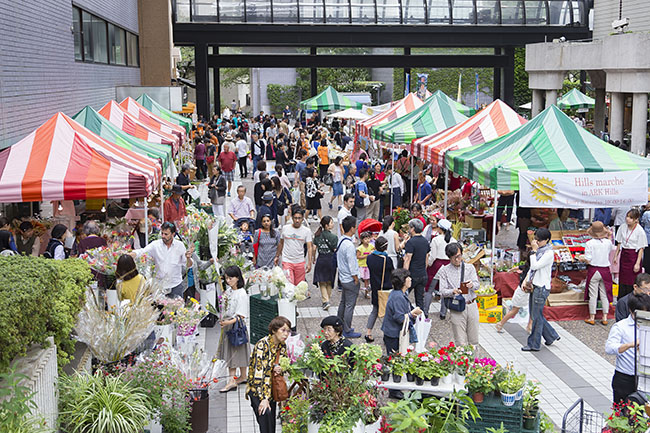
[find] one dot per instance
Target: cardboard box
(487, 302)
(491, 315)
(474, 221)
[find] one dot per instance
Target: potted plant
(294, 414)
(531, 404)
(435, 369)
(398, 366)
(406, 415)
(478, 379)
(411, 366)
(385, 370)
(510, 386)
(627, 418)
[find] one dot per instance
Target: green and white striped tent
(165, 114)
(463, 109)
(550, 142)
(435, 115)
(328, 100)
(574, 98)
(92, 120)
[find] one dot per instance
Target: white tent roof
(350, 113)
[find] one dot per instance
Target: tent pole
(390, 181)
(494, 238)
(446, 188)
(162, 204)
(411, 175)
(146, 222)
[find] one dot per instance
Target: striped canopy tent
(401, 108)
(132, 126)
(550, 142)
(92, 120)
(464, 109)
(329, 99)
(574, 98)
(435, 115)
(165, 114)
(495, 120)
(150, 119)
(62, 160)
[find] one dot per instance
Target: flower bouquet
(402, 217)
(103, 260)
(188, 317)
(168, 308)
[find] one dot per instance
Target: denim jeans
(256, 158)
(541, 328)
(349, 294)
(417, 285)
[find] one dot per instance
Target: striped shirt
(449, 280)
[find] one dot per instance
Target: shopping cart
(577, 419)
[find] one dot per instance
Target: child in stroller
(245, 226)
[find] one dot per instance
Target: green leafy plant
(397, 363)
(101, 404)
(546, 424)
(513, 382)
(17, 406)
(479, 378)
(280, 96)
(294, 414)
(627, 418)
(500, 429)
(39, 298)
(451, 413)
(406, 415)
(531, 399)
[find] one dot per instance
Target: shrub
(39, 298)
(281, 96)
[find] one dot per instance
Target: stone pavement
(574, 367)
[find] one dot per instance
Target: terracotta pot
(478, 397)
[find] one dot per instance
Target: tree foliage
(522, 93)
(280, 96)
(342, 79)
(234, 76)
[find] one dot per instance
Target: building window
(132, 50)
(98, 41)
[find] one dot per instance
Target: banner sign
(583, 190)
(422, 86)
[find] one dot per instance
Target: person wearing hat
(227, 160)
(55, 249)
(267, 208)
(175, 206)
(425, 191)
(599, 276)
(441, 237)
(335, 343)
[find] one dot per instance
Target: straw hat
(598, 230)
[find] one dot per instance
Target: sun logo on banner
(543, 189)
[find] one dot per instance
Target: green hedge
(39, 298)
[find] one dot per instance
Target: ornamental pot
(446, 380)
(478, 397)
(287, 309)
(374, 427)
(419, 380)
(199, 410)
(519, 394)
(508, 399)
(385, 377)
(529, 422)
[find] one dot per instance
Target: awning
(164, 113)
(153, 121)
(574, 98)
(329, 99)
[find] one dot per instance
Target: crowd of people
(294, 166)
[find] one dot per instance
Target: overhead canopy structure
(495, 120)
(574, 98)
(400, 108)
(376, 109)
(150, 119)
(61, 160)
(92, 120)
(350, 113)
(165, 114)
(329, 99)
(463, 109)
(132, 126)
(435, 115)
(550, 142)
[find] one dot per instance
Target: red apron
(605, 274)
(626, 274)
(433, 270)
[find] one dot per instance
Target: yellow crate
(491, 315)
(487, 302)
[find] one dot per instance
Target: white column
(616, 117)
(639, 122)
(599, 112)
(551, 97)
(537, 103)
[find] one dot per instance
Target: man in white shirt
(539, 276)
(242, 153)
(619, 342)
(171, 259)
(396, 184)
(345, 211)
(292, 247)
(241, 206)
(258, 149)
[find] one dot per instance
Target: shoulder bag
(256, 245)
(238, 334)
(457, 303)
(279, 390)
(404, 335)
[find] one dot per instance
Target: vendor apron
(605, 274)
(626, 274)
(433, 270)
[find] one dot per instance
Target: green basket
(262, 312)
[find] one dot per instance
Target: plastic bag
(219, 370)
(422, 328)
(295, 347)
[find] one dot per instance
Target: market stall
(165, 114)
(146, 116)
(463, 109)
(400, 108)
(132, 126)
(329, 99)
(555, 163)
(575, 99)
(350, 114)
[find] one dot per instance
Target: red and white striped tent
(495, 120)
(150, 119)
(62, 160)
(132, 126)
(404, 106)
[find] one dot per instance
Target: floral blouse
(260, 367)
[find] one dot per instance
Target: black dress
(377, 264)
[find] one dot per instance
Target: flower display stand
(262, 312)
(441, 389)
(287, 309)
(493, 413)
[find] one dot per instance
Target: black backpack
(358, 200)
(51, 246)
